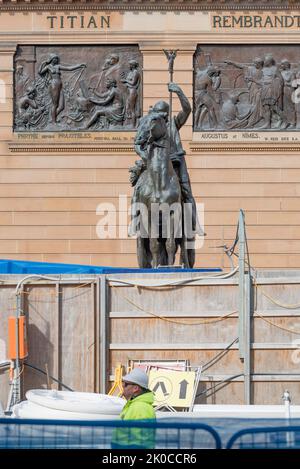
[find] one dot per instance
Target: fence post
(247, 339)
(241, 235)
(103, 333)
(244, 310)
(16, 389)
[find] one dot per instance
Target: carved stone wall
(53, 181)
(65, 88)
(245, 87)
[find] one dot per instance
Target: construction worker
(139, 406)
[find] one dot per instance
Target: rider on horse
(177, 153)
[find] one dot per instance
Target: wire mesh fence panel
(285, 437)
(106, 434)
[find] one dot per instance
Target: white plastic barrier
(67, 405)
(84, 402)
(29, 410)
(245, 411)
(235, 411)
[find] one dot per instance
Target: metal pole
(95, 305)
(241, 283)
(59, 329)
(103, 334)
(171, 55)
(170, 104)
(98, 334)
(290, 436)
(247, 339)
(16, 396)
(245, 292)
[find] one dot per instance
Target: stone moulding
(71, 148)
(146, 5)
(244, 147)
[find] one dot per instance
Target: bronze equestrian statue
(159, 184)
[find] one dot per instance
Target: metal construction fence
(171, 434)
(283, 437)
(58, 434)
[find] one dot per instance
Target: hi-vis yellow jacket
(138, 408)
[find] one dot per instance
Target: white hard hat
(137, 376)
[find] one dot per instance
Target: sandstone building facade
(64, 170)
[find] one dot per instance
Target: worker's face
(130, 390)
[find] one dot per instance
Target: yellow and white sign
(174, 388)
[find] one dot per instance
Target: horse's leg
(141, 252)
(183, 248)
(163, 256)
(154, 248)
(170, 242)
(183, 253)
(191, 252)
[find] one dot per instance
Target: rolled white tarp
(30, 410)
(82, 402)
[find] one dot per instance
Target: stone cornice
(247, 147)
(71, 148)
(147, 5)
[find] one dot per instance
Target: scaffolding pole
(103, 334)
(245, 292)
(247, 339)
(241, 283)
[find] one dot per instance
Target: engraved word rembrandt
(256, 21)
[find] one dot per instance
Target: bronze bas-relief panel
(75, 88)
(245, 87)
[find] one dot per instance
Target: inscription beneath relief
(86, 137)
(225, 136)
(262, 137)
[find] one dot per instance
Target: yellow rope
(52, 293)
(276, 302)
(163, 318)
(293, 331)
(22, 370)
(33, 300)
(210, 321)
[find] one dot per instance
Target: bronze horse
(158, 192)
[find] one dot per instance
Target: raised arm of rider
(183, 115)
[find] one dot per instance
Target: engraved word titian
(79, 22)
